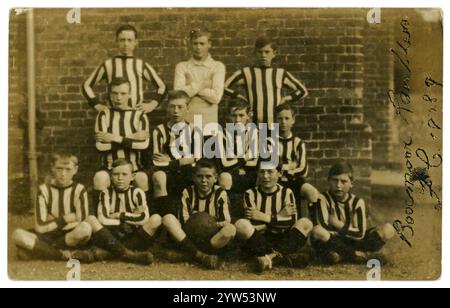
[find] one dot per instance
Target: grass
(422, 262)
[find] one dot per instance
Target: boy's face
(200, 47)
(340, 186)
(122, 176)
(120, 96)
(63, 172)
(177, 110)
(240, 116)
(265, 55)
(286, 120)
(268, 178)
(127, 43)
(204, 180)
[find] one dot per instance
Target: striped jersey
(263, 87)
(177, 144)
(128, 206)
(215, 204)
(240, 148)
(122, 123)
(135, 70)
(272, 204)
(53, 203)
(352, 213)
(292, 152)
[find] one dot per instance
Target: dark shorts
(177, 179)
(243, 180)
(293, 183)
(129, 236)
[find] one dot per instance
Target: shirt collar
(209, 62)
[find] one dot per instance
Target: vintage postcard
(225, 144)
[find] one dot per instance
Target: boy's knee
(244, 229)
(386, 232)
(83, 232)
(23, 239)
(319, 233)
(155, 220)
(226, 180)
(310, 193)
(304, 225)
(229, 231)
(159, 180)
(102, 181)
(169, 220)
(141, 180)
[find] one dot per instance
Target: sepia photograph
(225, 144)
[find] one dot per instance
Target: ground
(422, 262)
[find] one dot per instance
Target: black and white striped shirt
(272, 204)
(135, 70)
(292, 150)
(122, 123)
(53, 203)
(352, 212)
(263, 87)
(176, 145)
(129, 206)
(215, 204)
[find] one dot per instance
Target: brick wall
(323, 48)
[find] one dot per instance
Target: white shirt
(204, 82)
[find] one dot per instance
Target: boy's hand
(101, 107)
(69, 218)
(334, 221)
(107, 138)
(147, 107)
(161, 158)
(285, 100)
(288, 211)
(254, 214)
(140, 136)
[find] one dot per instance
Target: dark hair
(266, 161)
(342, 167)
(65, 156)
(285, 107)
(118, 82)
(205, 163)
(199, 32)
(263, 41)
(122, 162)
(240, 104)
(126, 28)
(178, 94)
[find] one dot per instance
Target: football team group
(150, 190)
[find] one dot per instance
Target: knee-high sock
(45, 251)
(292, 242)
(104, 239)
(257, 245)
(140, 240)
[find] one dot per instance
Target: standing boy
(263, 83)
(340, 233)
(202, 78)
(126, 66)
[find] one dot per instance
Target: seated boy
(61, 212)
(238, 164)
(340, 232)
(172, 168)
(203, 196)
(292, 152)
(121, 132)
(271, 230)
(124, 212)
